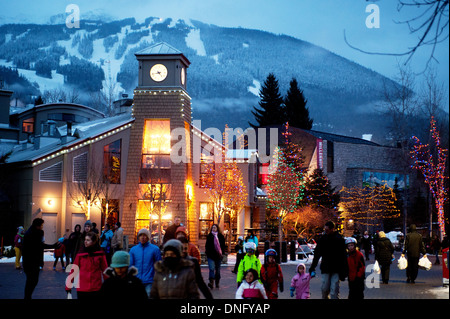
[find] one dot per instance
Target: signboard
(319, 148)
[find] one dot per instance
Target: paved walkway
(428, 284)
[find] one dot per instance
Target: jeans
(330, 286)
(214, 269)
(148, 288)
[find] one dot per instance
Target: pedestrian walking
(413, 248)
(143, 256)
(72, 241)
(251, 288)
(271, 275)
(192, 249)
(174, 275)
(366, 244)
(214, 249)
(95, 229)
(384, 253)
(121, 282)
(18, 240)
(32, 254)
(334, 267)
(196, 264)
(79, 244)
(59, 253)
(117, 239)
(300, 283)
(171, 230)
(249, 261)
(356, 270)
(240, 253)
(90, 263)
(106, 238)
(436, 247)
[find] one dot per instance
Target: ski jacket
(272, 278)
(143, 257)
(300, 282)
(246, 263)
(383, 251)
(356, 265)
(91, 266)
(240, 293)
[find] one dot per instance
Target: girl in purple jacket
(300, 283)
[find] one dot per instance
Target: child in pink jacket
(300, 283)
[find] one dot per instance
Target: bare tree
(430, 25)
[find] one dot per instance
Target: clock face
(183, 76)
(158, 72)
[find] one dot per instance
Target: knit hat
(120, 259)
(174, 245)
(181, 229)
(88, 222)
(144, 231)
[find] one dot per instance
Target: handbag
(376, 267)
(402, 263)
(425, 263)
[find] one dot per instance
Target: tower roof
(161, 50)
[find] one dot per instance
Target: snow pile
(440, 292)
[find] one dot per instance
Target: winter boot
(211, 283)
(217, 283)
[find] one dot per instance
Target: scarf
(216, 243)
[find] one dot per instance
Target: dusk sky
(321, 22)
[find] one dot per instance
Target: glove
(292, 291)
(313, 274)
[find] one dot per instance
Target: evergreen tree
(296, 112)
(319, 192)
(38, 101)
(271, 111)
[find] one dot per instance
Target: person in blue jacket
(143, 256)
(106, 237)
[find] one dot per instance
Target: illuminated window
(156, 137)
(28, 125)
(155, 162)
(207, 171)
(111, 162)
(206, 219)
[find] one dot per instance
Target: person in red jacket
(271, 275)
(90, 263)
(356, 270)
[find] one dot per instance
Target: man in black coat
(334, 266)
(32, 252)
(413, 248)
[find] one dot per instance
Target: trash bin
(445, 267)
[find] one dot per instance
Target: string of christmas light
(369, 205)
(433, 170)
(226, 189)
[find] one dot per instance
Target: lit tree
(369, 205)
(430, 159)
(283, 188)
(227, 190)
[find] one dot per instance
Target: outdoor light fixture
(50, 202)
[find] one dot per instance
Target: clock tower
(159, 172)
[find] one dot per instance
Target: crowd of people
(101, 268)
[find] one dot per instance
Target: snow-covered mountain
(228, 67)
